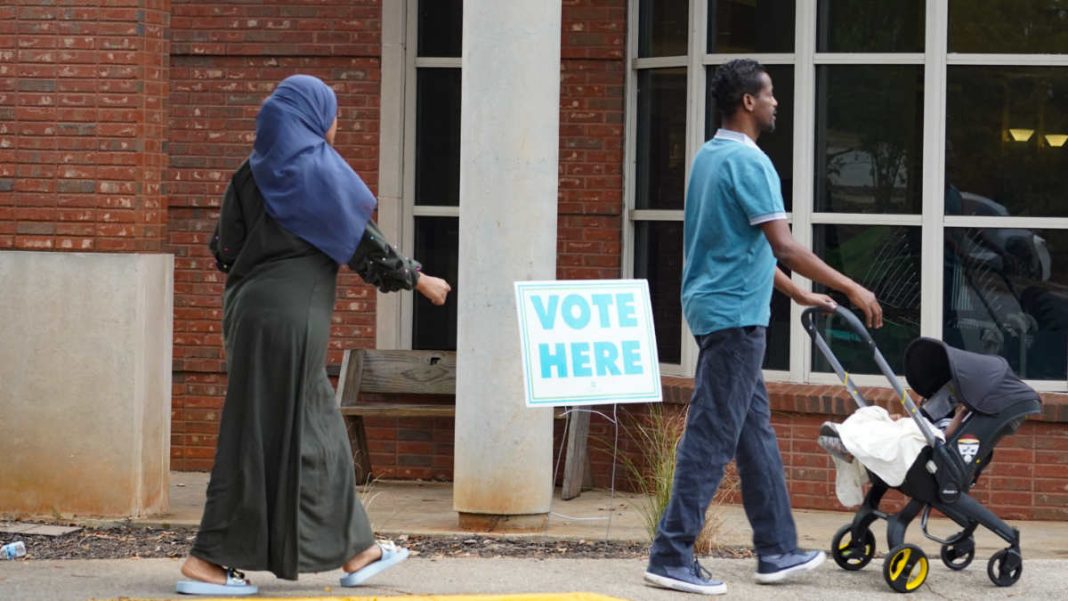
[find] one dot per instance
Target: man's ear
(748, 102)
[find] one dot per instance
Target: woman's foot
(363, 558)
(196, 568)
(371, 561)
(206, 578)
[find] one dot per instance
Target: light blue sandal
(236, 586)
(391, 556)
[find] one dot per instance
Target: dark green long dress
(282, 493)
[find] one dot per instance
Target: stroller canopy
(985, 383)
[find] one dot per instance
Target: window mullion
(804, 169)
(695, 133)
(630, 135)
(390, 314)
(934, 136)
(407, 240)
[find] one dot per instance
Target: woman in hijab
(282, 492)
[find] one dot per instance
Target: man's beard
(769, 127)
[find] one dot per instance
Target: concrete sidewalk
(397, 507)
(426, 508)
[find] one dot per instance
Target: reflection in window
(869, 138)
(441, 27)
(885, 260)
(661, 139)
(779, 145)
(1006, 293)
(740, 26)
(1008, 26)
(437, 137)
(663, 27)
(777, 355)
(658, 259)
(1007, 140)
(870, 26)
(437, 248)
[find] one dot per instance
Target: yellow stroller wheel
(905, 568)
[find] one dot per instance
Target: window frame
(397, 210)
(932, 220)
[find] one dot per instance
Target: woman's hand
(436, 290)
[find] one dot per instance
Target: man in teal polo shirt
(734, 231)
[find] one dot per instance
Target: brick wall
(1027, 479)
(225, 58)
(82, 101)
(591, 139)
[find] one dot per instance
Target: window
(420, 192)
(922, 148)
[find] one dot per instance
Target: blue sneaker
(775, 568)
(692, 579)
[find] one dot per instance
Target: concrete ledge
(85, 383)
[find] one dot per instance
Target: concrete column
(509, 151)
(85, 383)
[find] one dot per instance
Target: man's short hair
(735, 79)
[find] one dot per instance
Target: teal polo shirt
(729, 269)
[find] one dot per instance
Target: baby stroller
(944, 472)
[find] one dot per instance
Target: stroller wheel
(852, 554)
(959, 555)
(1005, 567)
(905, 568)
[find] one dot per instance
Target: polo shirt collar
(735, 136)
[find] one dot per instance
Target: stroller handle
(808, 321)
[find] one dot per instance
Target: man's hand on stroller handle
(814, 299)
(865, 300)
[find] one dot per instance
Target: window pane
(1008, 26)
(777, 355)
(437, 248)
(658, 258)
(869, 138)
(437, 137)
(1006, 129)
(1006, 293)
(779, 145)
(661, 139)
(441, 27)
(662, 27)
(870, 26)
(750, 26)
(886, 260)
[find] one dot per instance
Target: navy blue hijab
(307, 187)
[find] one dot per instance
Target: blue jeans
(729, 418)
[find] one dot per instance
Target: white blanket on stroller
(886, 446)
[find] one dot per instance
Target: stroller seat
(943, 473)
(997, 402)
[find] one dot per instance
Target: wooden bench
(391, 372)
(422, 373)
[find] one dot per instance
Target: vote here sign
(587, 342)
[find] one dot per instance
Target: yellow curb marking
(506, 597)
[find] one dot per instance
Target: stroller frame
(938, 479)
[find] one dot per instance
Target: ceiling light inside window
(1056, 140)
(1021, 135)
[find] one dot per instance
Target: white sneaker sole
(686, 587)
(781, 575)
